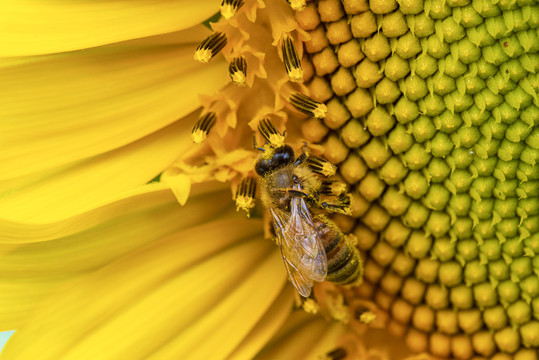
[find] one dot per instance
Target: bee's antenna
(254, 144)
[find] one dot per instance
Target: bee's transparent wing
(302, 251)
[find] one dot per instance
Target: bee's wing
(302, 251)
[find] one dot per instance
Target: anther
(202, 127)
(336, 354)
(332, 188)
(321, 166)
(308, 106)
(270, 133)
(296, 5)
(229, 8)
(245, 195)
(291, 60)
(365, 316)
(238, 70)
(210, 47)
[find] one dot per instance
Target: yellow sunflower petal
(31, 271)
(62, 108)
(140, 303)
(41, 27)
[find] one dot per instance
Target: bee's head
(281, 156)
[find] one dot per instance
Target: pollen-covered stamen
(202, 127)
(210, 47)
(321, 166)
(238, 70)
(336, 354)
(229, 8)
(365, 316)
(308, 106)
(270, 133)
(291, 60)
(296, 5)
(245, 195)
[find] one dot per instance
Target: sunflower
(126, 124)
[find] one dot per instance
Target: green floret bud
(439, 224)
(474, 116)
(519, 313)
(482, 187)
(482, 208)
(513, 69)
(450, 273)
(426, 270)
(495, 317)
(459, 181)
(415, 185)
(460, 158)
(437, 297)
(475, 273)
(462, 228)
(396, 68)
(491, 249)
(493, 129)
(506, 170)
(383, 253)
(396, 233)
(485, 167)
(416, 158)
(520, 268)
(487, 100)
(446, 321)
(485, 295)
(527, 172)
(443, 249)
(470, 85)
(528, 190)
(387, 91)
(354, 134)
(431, 105)
(510, 150)
(506, 114)
(395, 201)
(486, 8)
(452, 30)
(499, 84)
(437, 170)
(507, 340)
(461, 297)
(416, 215)
(435, 46)
(508, 291)
(513, 248)
(353, 169)
(376, 218)
(496, 27)
(506, 228)
(469, 17)
(441, 83)
(479, 36)
(441, 145)
(414, 87)
(494, 54)
(376, 47)
(403, 265)
(460, 204)
(518, 98)
(406, 111)
(424, 65)
(529, 333)
(470, 320)
(410, 7)
(437, 197)
(498, 270)
(529, 287)
(467, 136)
(506, 189)
(486, 147)
(394, 24)
(506, 208)
(523, 41)
(468, 52)
(467, 250)
(423, 129)
(393, 171)
(375, 153)
(438, 9)
(371, 187)
(367, 74)
(379, 122)
(484, 69)
(399, 140)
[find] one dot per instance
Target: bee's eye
(282, 156)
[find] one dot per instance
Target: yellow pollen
(296, 75)
(310, 306)
(245, 203)
(228, 11)
(203, 55)
(238, 78)
(320, 111)
(297, 5)
(367, 317)
(277, 140)
(198, 136)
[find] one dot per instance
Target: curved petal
(47, 197)
(88, 242)
(181, 293)
(32, 27)
(57, 109)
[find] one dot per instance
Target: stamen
(202, 127)
(291, 60)
(270, 133)
(238, 70)
(245, 195)
(321, 166)
(229, 8)
(365, 316)
(296, 5)
(310, 306)
(308, 106)
(210, 47)
(337, 354)
(332, 188)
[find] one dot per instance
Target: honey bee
(312, 247)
